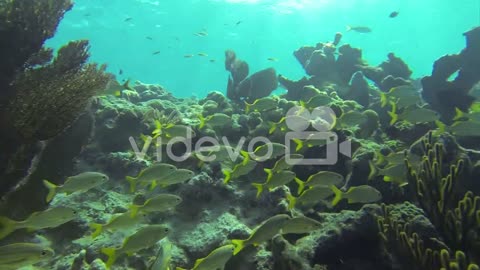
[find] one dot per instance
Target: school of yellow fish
(325, 187)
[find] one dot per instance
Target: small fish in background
(154, 173)
(214, 120)
(188, 56)
(163, 258)
(309, 197)
(238, 23)
(357, 194)
(212, 60)
(238, 170)
(115, 89)
(264, 232)
(261, 105)
(18, 255)
(202, 33)
(322, 178)
(120, 72)
(215, 260)
(143, 238)
(300, 225)
(159, 203)
(78, 183)
(202, 54)
(394, 14)
(156, 52)
(128, 19)
(280, 179)
(117, 222)
(50, 218)
(149, 37)
(394, 173)
(272, 59)
(359, 29)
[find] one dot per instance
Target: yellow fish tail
(301, 185)
(246, 156)
(299, 144)
(52, 190)
(269, 174)
(458, 114)
(272, 129)
(239, 245)
(133, 183)
(7, 226)
(228, 176)
(291, 201)
(383, 99)
(112, 256)
(98, 229)
(373, 170)
(202, 121)
(338, 195)
(247, 107)
(134, 210)
(259, 189)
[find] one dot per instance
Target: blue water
(423, 31)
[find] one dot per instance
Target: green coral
(455, 217)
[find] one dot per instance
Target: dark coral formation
(328, 66)
(258, 85)
(41, 95)
(443, 94)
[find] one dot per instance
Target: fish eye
(44, 252)
(166, 230)
(75, 212)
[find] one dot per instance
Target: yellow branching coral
(455, 217)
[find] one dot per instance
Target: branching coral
(24, 26)
(48, 99)
(455, 217)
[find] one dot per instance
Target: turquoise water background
(257, 30)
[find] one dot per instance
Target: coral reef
(444, 94)
(258, 85)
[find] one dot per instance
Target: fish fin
(380, 159)
(441, 126)
(112, 256)
(273, 127)
(134, 210)
(239, 245)
(291, 201)
(387, 179)
(198, 262)
(338, 195)
(7, 226)
(98, 229)
(303, 104)
(202, 121)
(127, 86)
(458, 114)
(247, 107)
(228, 176)
(383, 99)
(153, 185)
(118, 93)
(393, 115)
(269, 174)
(299, 144)
(373, 170)
(349, 28)
(259, 189)
(301, 185)
(52, 190)
(246, 156)
(133, 183)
